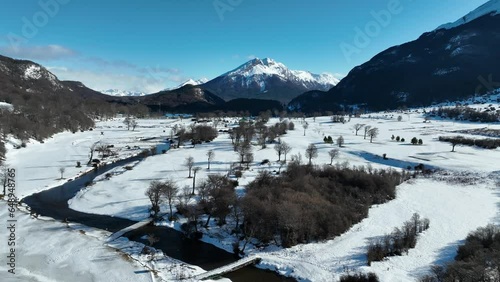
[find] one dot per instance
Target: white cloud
(42, 53)
(150, 82)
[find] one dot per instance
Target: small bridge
(120, 233)
(228, 268)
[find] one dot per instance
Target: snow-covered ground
(453, 210)
(51, 251)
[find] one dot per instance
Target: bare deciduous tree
(189, 163)
(357, 127)
(286, 149)
(243, 149)
(311, 152)
(279, 149)
(62, 170)
(340, 141)
(305, 125)
(169, 190)
(333, 153)
(367, 128)
(127, 121)
(133, 124)
(195, 170)
(154, 193)
(210, 156)
(373, 133)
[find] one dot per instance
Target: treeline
(465, 113)
(306, 203)
(487, 143)
(41, 116)
(477, 260)
(399, 241)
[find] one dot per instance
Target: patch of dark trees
(464, 113)
(400, 241)
(478, 259)
(487, 143)
(306, 203)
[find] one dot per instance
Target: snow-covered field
(453, 210)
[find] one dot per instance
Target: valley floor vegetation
(399, 241)
(478, 259)
(302, 204)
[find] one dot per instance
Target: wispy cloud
(103, 80)
(38, 53)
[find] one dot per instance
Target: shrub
(399, 241)
(402, 140)
(238, 174)
(398, 138)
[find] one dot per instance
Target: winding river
(54, 203)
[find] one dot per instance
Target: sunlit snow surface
(454, 210)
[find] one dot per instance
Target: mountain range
(267, 79)
(454, 61)
(263, 79)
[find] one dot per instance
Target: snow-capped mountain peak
(122, 93)
(490, 7)
(257, 70)
(193, 82)
(268, 79)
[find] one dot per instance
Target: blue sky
(154, 44)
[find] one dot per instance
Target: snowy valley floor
(453, 209)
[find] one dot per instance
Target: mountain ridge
(441, 65)
(267, 79)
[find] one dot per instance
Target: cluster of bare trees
(130, 122)
(217, 201)
(369, 131)
(304, 204)
(487, 143)
(282, 148)
(159, 192)
(400, 241)
(196, 133)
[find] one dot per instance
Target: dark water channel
(54, 203)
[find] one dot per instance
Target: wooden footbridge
(228, 268)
